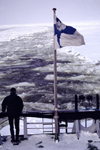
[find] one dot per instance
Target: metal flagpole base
(56, 137)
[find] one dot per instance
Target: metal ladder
(48, 126)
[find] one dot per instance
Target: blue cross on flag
(66, 35)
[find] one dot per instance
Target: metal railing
(65, 116)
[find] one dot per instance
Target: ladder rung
(47, 123)
(34, 128)
(34, 123)
(48, 128)
(47, 131)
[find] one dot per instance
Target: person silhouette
(14, 105)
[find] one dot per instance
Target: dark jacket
(13, 104)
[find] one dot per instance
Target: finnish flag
(66, 35)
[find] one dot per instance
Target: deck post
(25, 127)
(77, 125)
(0, 140)
(66, 126)
(76, 103)
(98, 127)
(97, 101)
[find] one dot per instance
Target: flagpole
(55, 91)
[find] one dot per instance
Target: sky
(40, 11)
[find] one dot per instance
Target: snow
(47, 142)
(88, 52)
(22, 84)
(36, 139)
(27, 58)
(19, 30)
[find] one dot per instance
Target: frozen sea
(26, 63)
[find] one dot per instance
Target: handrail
(62, 114)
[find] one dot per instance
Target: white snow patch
(69, 142)
(21, 84)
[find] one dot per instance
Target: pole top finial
(54, 9)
